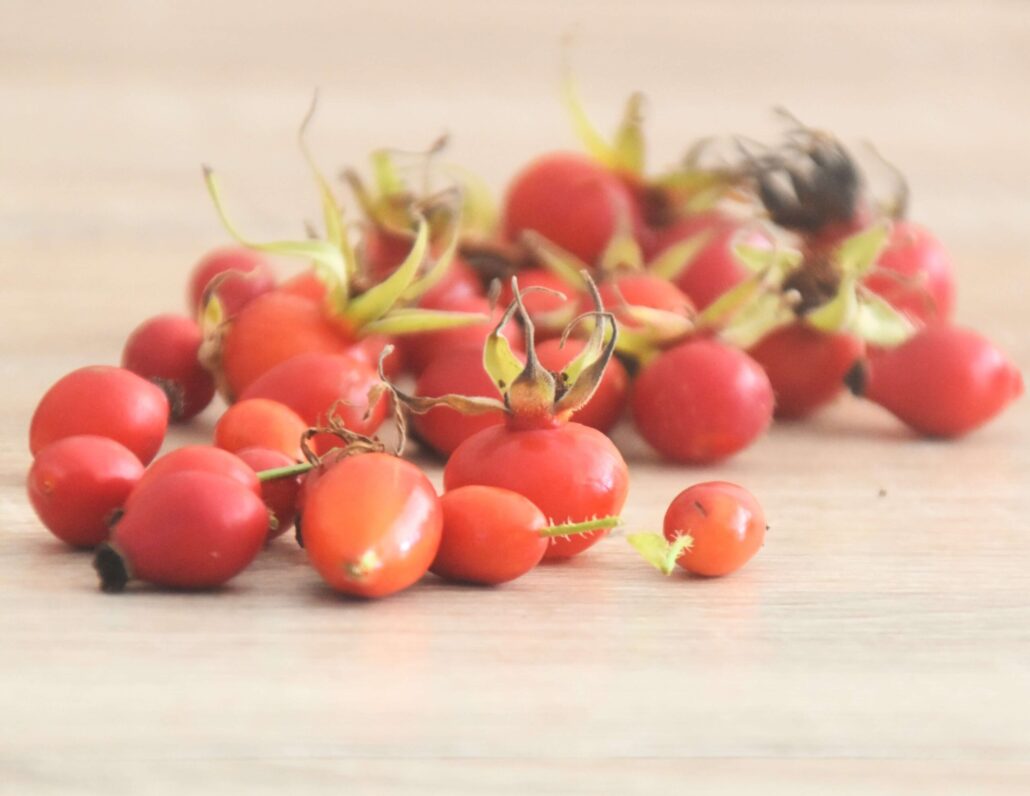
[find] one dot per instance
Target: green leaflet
(377, 301)
(657, 551)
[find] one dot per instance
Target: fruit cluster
(704, 301)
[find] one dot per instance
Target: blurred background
(108, 109)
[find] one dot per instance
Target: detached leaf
(376, 302)
(414, 320)
(657, 551)
(857, 255)
(877, 322)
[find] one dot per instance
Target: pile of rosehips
(701, 302)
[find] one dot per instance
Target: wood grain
(879, 643)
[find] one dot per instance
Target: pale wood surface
(878, 643)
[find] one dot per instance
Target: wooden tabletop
(880, 642)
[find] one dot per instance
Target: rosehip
(187, 530)
(247, 276)
(490, 535)
(279, 494)
(915, 275)
(77, 484)
(726, 525)
(164, 350)
(259, 422)
(701, 401)
(205, 459)
(806, 367)
(372, 524)
(944, 381)
(105, 401)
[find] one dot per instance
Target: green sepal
(839, 312)
(563, 264)
(581, 376)
(412, 320)
(499, 361)
(765, 313)
(212, 313)
(857, 255)
(376, 302)
(676, 259)
(479, 209)
(328, 260)
(629, 149)
(777, 262)
(622, 251)
(439, 268)
(878, 323)
(658, 551)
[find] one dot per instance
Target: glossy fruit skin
(609, 400)
(164, 350)
(457, 371)
(76, 485)
(726, 523)
(251, 277)
(945, 381)
(313, 384)
(925, 290)
(490, 536)
(420, 349)
(572, 201)
(279, 494)
(701, 401)
(205, 459)
(371, 506)
(191, 530)
(105, 401)
(271, 329)
(806, 367)
(570, 472)
(259, 422)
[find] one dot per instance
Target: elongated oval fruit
(944, 382)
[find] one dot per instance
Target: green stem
(573, 528)
(284, 472)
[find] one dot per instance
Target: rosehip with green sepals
(914, 275)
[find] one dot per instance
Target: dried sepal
(466, 404)
(658, 551)
(532, 393)
(581, 376)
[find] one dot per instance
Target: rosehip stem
(284, 472)
(573, 528)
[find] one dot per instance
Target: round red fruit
(105, 401)
(164, 350)
(459, 371)
(915, 275)
(187, 530)
(702, 401)
(725, 522)
(372, 524)
(280, 494)
(246, 276)
(806, 367)
(259, 422)
(572, 201)
(571, 472)
(77, 484)
(205, 459)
